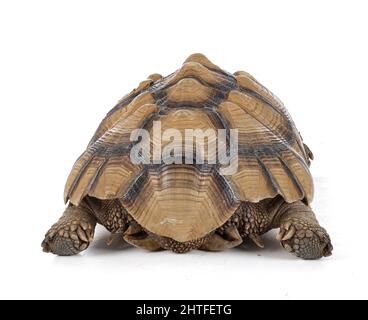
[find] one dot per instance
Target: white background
(64, 64)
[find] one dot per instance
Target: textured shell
(185, 202)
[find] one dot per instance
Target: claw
(84, 225)
(132, 229)
(289, 234)
(82, 235)
(83, 246)
(280, 235)
(110, 240)
(90, 234)
(287, 225)
(257, 240)
(74, 236)
(232, 234)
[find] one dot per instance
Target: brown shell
(186, 202)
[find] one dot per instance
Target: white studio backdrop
(63, 66)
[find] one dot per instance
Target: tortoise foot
(304, 239)
(71, 234)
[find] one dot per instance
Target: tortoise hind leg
(113, 216)
(300, 232)
(72, 233)
(230, 238)
(137, 237)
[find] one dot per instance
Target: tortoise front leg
(300, 232)
(72, 233)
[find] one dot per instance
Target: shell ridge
(285, 140)
(76, 180)
(292, 177)
(270, 177)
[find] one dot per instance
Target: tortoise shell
(187, 201)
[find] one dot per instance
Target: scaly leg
(300, 232)
(72, 233)
(249, 222)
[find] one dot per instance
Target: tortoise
(181, 206)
